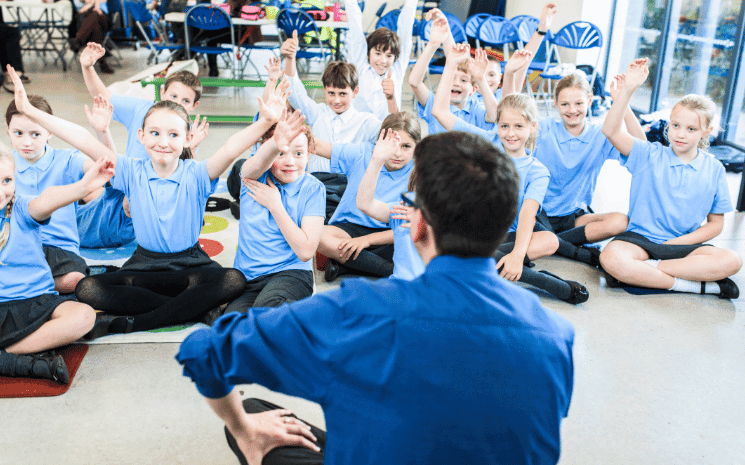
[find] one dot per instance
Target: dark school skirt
(62, 261)
(357, 230)
(19, 318)
(658, 251)
(146, 260)
(559, 224)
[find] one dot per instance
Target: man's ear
(420, 231)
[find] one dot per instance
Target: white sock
(694, 287)
(652, 262)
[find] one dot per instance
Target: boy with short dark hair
(337, 121)
(381, 59)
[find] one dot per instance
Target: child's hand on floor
(197, 133)
(99, 116)
(388, 86)
(290, 47)
(439, 31)
(510, 266)
(402, 212)
(350, 247)
(547, 16)
(267, 195)
(637, 73)
(274, 69)
(387, 145)
(91, 54)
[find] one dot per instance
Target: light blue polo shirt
(480, 98)
(490, 135)
(407, 263)
(24, 272)
(167, 214)
(574, 164)
(473, 113)
(352, 160)
(57, 167)
(103, 223)
(534, 179)
(669, 198)
(131, 111)
(262, 248)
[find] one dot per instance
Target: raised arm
(547, 16)
(387, 146)
(627, 84)
(433, 15)
(439, 32)
(405, 28)
(441, 107)
(478, 72)
(274, 71)
(69, 132)
(238, 143)
(56, 197)
(515, 71)
(288, 128)
(88, 57)
(289, 50)
(512, 263)
(356, 42)
(99, 118)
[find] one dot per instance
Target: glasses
(406, 197)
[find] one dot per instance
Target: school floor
(658, 378)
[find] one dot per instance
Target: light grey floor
(658, 379)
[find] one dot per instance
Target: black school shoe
(331, 271)
(728, 289)
(579, 293)
(103, 324)
(52, 366)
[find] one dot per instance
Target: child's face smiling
(290, 165)
(27, 138)
(514, 132)
(7, 184)
(493, 75)
(462, 88)
(381, 60)
(339, 100)
(163, 136)
(572, 105)
(181, 94)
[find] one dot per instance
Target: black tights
(157, 299)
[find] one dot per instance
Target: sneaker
(728, 289)
(579, 293)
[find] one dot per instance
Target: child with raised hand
(35, 318)
(673, 191)
(282, 214)
(458, 87)
(383, 54)
(517, 122)
(40, 166)
(407, 263)
(169, 278)
(350, 232)
(336, 121)
(574, 151)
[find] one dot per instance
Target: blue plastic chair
(389, 20)
(497, 31)
(579, 35)
(211, 18)
(144, 20)
(293, 19)
(473, 24)
(526, 26)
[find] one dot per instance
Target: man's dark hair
(384, 40)
(468, 190)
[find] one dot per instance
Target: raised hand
(288, 129)
(547, 16)
(276, 104)
(459, 54)
(21, 98)
(290, 47)
(479, 65)
(99, 174)
(388, 86)
(637, 73)
(617, 83)
(267, 195)
(90, 54)
(99, 116)
(274, 69)
(402, 212)
(520, 59)
(433, 14)
(197, 133)
(387, 145)
(439, 31)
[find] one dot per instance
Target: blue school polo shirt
(352, 160)
(167, 214)
(480, 98)
(24, 272)
(131, 111)
(490, 135)
(262, 248)
(57, 167)
(473, 113)
(407, 263)
(534, 179)
(574, 164)
(103, 223)
(669, 198)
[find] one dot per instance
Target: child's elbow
(306, 255)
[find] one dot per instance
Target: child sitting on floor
(673, 191)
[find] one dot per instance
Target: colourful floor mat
(30, 387)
